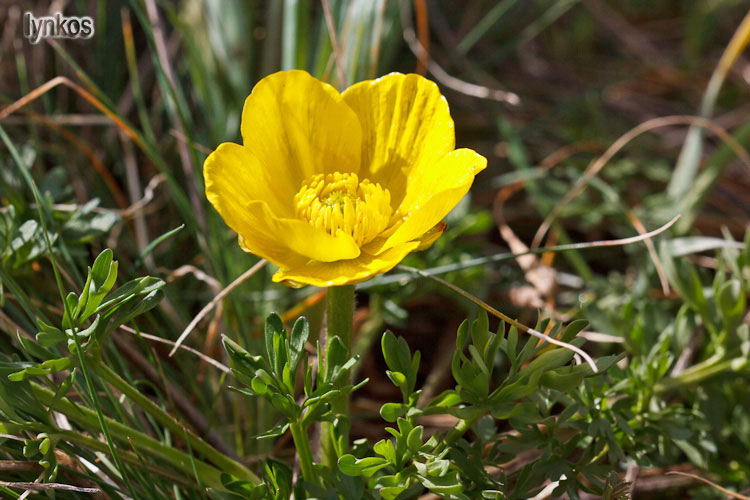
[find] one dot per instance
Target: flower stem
(199, 445)
(302, 444)
(339, 313)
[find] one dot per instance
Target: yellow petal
(245, 178)
(431, 236)
(298, 126)
(345, 272)
(405, 126)
(284, 241)
(441, 186)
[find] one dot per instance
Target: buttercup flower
(336, 188)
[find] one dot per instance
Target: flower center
(339, 201)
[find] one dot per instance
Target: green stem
(302, 444)
(339, 314)
(461, 427)
(196, 443)
(128, 457)
(699, 373)
(124, 434)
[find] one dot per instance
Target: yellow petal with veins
(232, 190)
(244, 177)
(440, 189)
(298, 126)
(406, 126)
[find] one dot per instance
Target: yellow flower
(336, 188)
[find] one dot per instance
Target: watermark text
(56, 26)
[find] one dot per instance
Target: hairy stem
(339, 314)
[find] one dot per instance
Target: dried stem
(208, 307)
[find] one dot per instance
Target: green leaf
(243, 363)
(478, 360)
(259, 386)
(129, 311)
(414, 439)
(297, 341)
(285, 405)
(506, 411)
(153, 244)
(392, 411)
(573, 329)
(273, 326)
(102, 269)
(34, 349)
(72, 304)
(518, 389)
(49, 366)
(554, 358)
(512, 344)
(445, 399)
(480, 330)
(396, 352)
(385, 449)
(85, 334)
(138, 286)
(17, 399)
(277, 430)
(99, 288)
(413, 372)
(397, 378)
(529, 349)
(336, 358)
(49, 335)
(731, 302)
(84, 296)
(462, 334)
(352, 466)
(450, 484)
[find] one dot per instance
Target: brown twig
(48, 486)
(710, 483)
(423, 32)
(209, 307)
(189, 349)
(470, 89)
(638, 225)
(340, 63)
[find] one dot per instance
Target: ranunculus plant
(336, 188)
